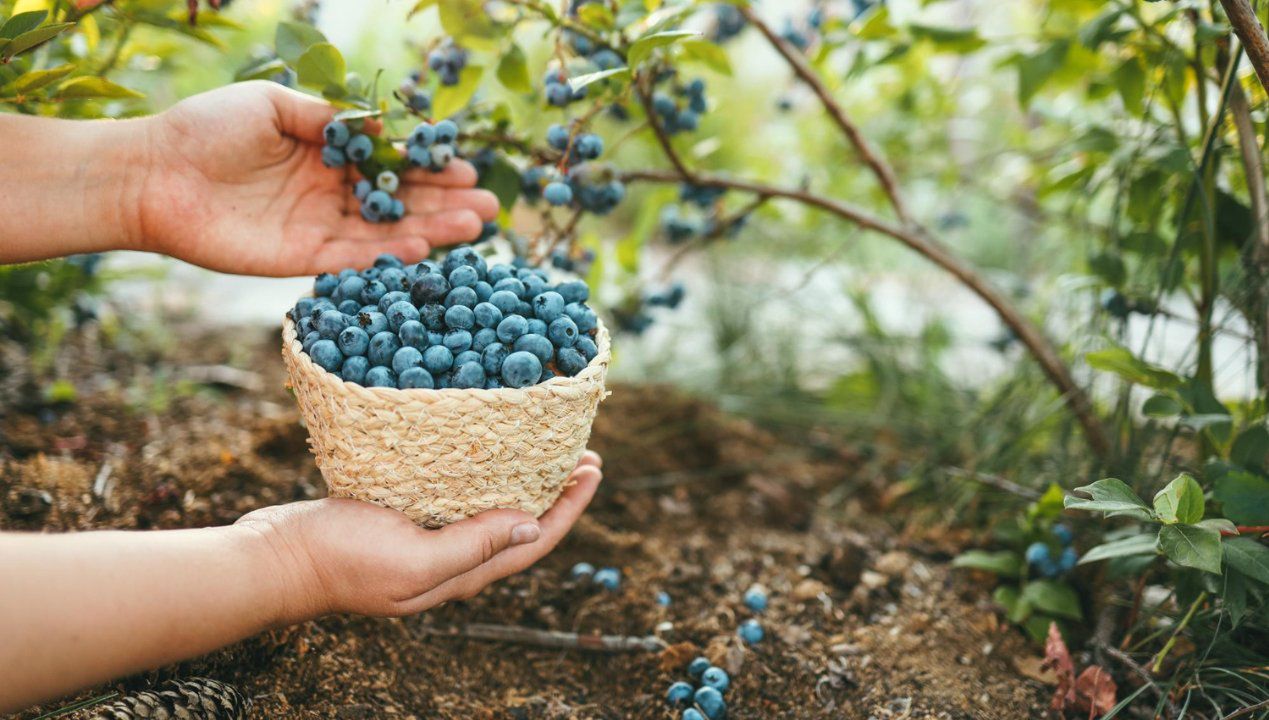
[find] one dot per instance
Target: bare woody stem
(1039, 346)
(1252, 34)
(879, 167)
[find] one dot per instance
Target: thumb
(470, 543)
(300, 116)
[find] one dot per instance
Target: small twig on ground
(78, 706)
(1247, 710)
(1140, 671)
(548, 638)
(224, 375)
(995, 481)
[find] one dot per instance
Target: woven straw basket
(443, 455)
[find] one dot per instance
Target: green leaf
(1122, 362)
(957, 40)
(1180, 502)
(1053, 597)
(356, 114)
(1192, 546)
(503, 180)
(1220, 525)
(1250, 447)
(32, 38)
(1161, 406)
(644, 46)
(1144, 544)
(596, 15)
(1244, 497)
(468, 23)
(322, 67)
(581, 81)
(1248, 557)
(707, 53)
(1234, 594)
(1110, 496)
(94, 87)
(513, 70)
(877, 25)
(261, 71)
(60, 391)
(294, 39)
(420, 6)
(36, 79)
(1035, 70)
(21, 23)
(449, 99)
(1007, 597)
(1003, 562)
(1130, 79)
(1109, 267)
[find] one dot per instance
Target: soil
(866, 621)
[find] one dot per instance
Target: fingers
(555, 524)
(335, 255)
(299, 116)
(422, 199)
(458, 174)
(358, 242)
(468, 544)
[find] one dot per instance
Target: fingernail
(525, 533)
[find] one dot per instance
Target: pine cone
(191, 699)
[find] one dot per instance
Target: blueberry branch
(1252, 35)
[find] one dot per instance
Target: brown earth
(863, 623)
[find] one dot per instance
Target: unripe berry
(388, 181)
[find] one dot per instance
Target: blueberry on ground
(692, 714)
(679, 693)
(751, 632)
(716, 678)
(354, 369)
(756, 599)
(327, 355)
(521, 369)
(710, 701)
(415, 378)
(353, 341)
(608, 578)
(697, 667)
(663, 599)
(380, 377)
(582, 571)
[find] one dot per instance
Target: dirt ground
(863, 623)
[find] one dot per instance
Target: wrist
(288, 584)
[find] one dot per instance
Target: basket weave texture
(443, 455)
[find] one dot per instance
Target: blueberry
(483, 338)
(716, 678)
(511, 328)
(380, 377)
(400, 313)
(558, 95)
(483, 291)
(464, 296)
(574, 291)
(465, 357)
(692, 714)
(303, 308)
(608, 578)
(663, 104)
(373, 291)
(354, 369)
(589, 146)
(330, 324)
(458, 340)
(697, 667)
(391, 298)
(562, 332)
(557, 137)
(548, 306)
(536, 344)
(423, 135)
(438, 359)
(304, 327)
(333, 157)
(505, 301)
(362, 189)
(469, 375)
(309, 339)
(395, 280)
(679, 693)
(353, 341)
(460, 317)
(569, 361)
(429, 288)
(325, 284)
(756, 599)
(511, 285)
(378, 202)
(336, 133)
(1068, 558)
(349, 288)
(1049, 568)
(663, 599)
(432, 316)
(501, 271)
(415, 377)
(1037, 553)
(1063, 533)
(520, 369)
(370, 273)
(440, 157)
(419, 155)
(359, 148)
(413, 334)
(583, 316)
(350, 308)
(487, 315)
(536, 327)
(558, 193)
(464, 276)
(710, 701)
(382, 347)
(751, 632)
(368, 215)
(446, 131)
(492, 357)
(586, 347)
(406, 358)
(327, 355)
(388, 181)
(372, 322)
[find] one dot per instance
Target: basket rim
(593, 373)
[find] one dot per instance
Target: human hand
(235, 183)
(341, 555)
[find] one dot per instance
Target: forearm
(81, 608)
(70, 186)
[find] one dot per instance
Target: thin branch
(548, 638)
(1252, 34)
(663, 138)
(1140, 671)
(1247, 710)
(880, 168)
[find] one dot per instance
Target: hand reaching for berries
(349, 556)
(236, 183)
